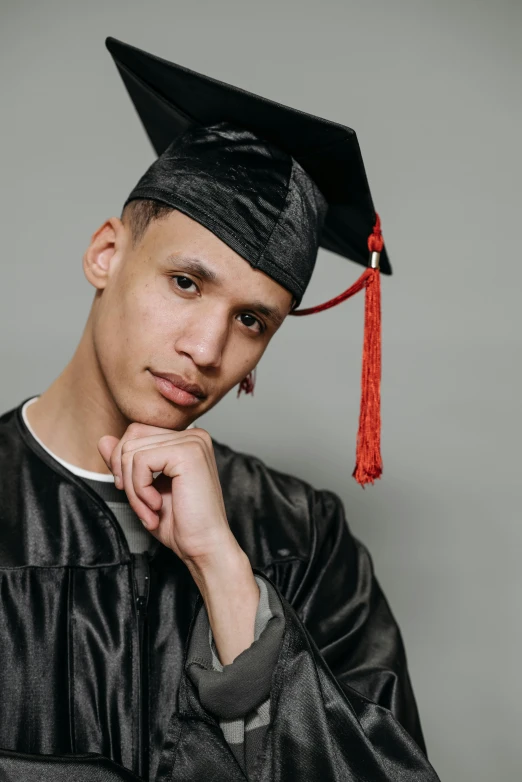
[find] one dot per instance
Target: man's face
(180, 305)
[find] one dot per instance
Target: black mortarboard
(171, 100)
(272, 182)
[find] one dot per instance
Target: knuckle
(195, 448)
(134, 429)
(140, 457)
(203, 435)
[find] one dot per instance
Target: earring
(248, 383)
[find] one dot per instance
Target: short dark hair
(140, 213)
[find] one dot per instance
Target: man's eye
(183, 282)
(252, 323)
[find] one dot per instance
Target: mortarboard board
(273, 183)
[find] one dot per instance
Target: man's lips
(178, 390)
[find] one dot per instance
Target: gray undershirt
(138, 538)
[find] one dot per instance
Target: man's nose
(204, 338)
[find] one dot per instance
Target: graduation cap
(274, 184)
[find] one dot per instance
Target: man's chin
(160, 413)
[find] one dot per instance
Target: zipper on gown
(141, 590)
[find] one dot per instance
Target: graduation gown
(94, 686)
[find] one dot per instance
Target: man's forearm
(231, 597)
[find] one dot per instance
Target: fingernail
(145, 523)
(117, 481)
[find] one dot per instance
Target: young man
(172, 609)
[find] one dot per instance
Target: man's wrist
(226, 559)
(231, 596)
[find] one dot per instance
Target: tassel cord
(368, 464)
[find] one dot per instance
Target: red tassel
(368, 464)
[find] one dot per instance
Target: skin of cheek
(123, 338)
(137, 328)
(176, 317)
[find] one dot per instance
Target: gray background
(433, 90)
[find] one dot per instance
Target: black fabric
(17, 767)
(251, 195)
(258, 200)
(107, 490)
(243, 685)
(238, 695)
(75, 677)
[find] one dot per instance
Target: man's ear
(105, 247)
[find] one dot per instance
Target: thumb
(106, 446)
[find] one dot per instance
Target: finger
(134, 445)
(140, 465)
(135, 436)
(208, 445)
(209, 449)
(172, 436)
(156, 463)
(134, 433)
(147, 501)
(106, 445)
(144, 498)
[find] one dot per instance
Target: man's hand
(183, 508)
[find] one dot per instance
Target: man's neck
(76, 410)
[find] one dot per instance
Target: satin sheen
(254, 197)
(171, 99)
(342, 703)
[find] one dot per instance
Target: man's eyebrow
(272, 313)
(196, 267)
(199, 269)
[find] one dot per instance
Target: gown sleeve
(344, 610)
(341, 704)
(238, 694)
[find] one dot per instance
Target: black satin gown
(93, 686)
